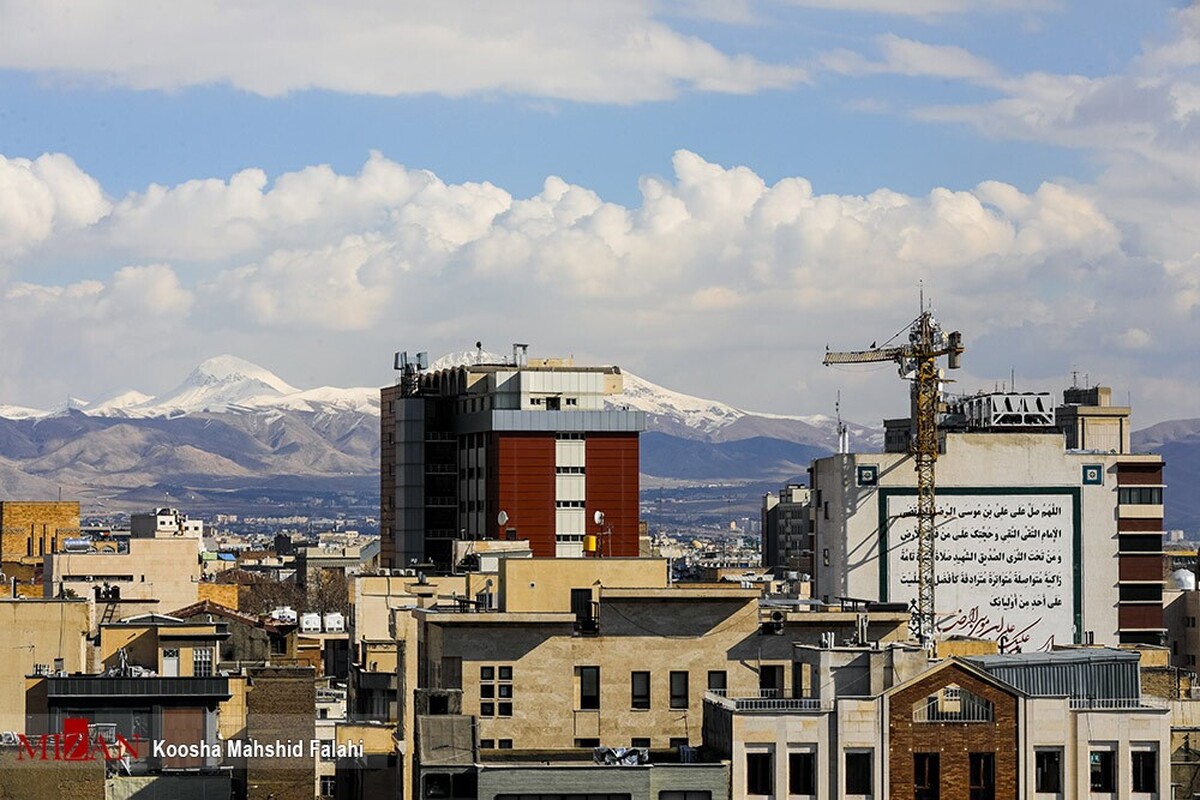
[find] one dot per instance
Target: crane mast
(918, 362)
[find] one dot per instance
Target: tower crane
(918, 362)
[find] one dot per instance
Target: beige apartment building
(154, 575)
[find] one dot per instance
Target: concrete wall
(640, 783)
(164, 570)
(545, 585)
(49, 780)
(38, 632)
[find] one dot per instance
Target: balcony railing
(1115, 703)
(99, 686)
(768, 703)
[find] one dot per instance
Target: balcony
(80, 686)
(768, 702)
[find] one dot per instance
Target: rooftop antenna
(410, 371)
(479, 352)
(1012, 379)
(1074, 379)
(842, 431)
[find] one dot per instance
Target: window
(926, 776)
(679, 690)
(1103, 771)
(505, 744)
(495, 691)
(1145, 771)
(202, 662)
(589, 689)
(587, 742)
(1141, 592)
(571, 401)
(760, 773)
(677, 742)
(639, 690)
(328, 785)
(802, 773)
(1047, 771)
(487, 744)
(1140, 495)
(859, 772)
(983, 776)
(692, 795)
(569, 470)
(716, 681)
(640, 741)
(553, 403)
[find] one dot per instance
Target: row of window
(1140, 495)
(666, 794)
(639, 688)
(859, 773)
(554, 403)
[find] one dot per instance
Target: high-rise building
(786, 543)
(506, 448)
(1049, 531)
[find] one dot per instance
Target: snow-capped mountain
(689, 417)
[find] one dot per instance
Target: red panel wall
(1139, 617)
(1140, 568)
(612, 487)
(1139, 525)
(521, 482)
(1139, 474)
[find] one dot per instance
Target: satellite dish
(502, 518)
(599, 517)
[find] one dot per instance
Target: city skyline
(706, 194)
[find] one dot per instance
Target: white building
(1037, 544)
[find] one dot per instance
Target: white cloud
(610, 52)
(902, 56)
(316, 270)
(928, 8)
(42, 196)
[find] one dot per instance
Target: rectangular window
(926, 776)
(639, 690)
(802, 773)
(587, 742)
(860, 778)
(495, 683)
(328, 785)
(1102, 770)
(1145, 771)
(983, 776)
(679, 690)
(505, 744)
(589, 689)
(760, 774)
(677, 742)
(202, 666)
(487, 744)
(1140, 495)
(640, 741)
(717, 681)
(1047, 771)
(692, 795)
(1141, 592)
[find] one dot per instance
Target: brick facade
(952, 741)
(30, 530)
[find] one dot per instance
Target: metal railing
(774, 702)
(1113, 703)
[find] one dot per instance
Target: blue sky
(736, 183)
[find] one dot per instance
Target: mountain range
(233, 433)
